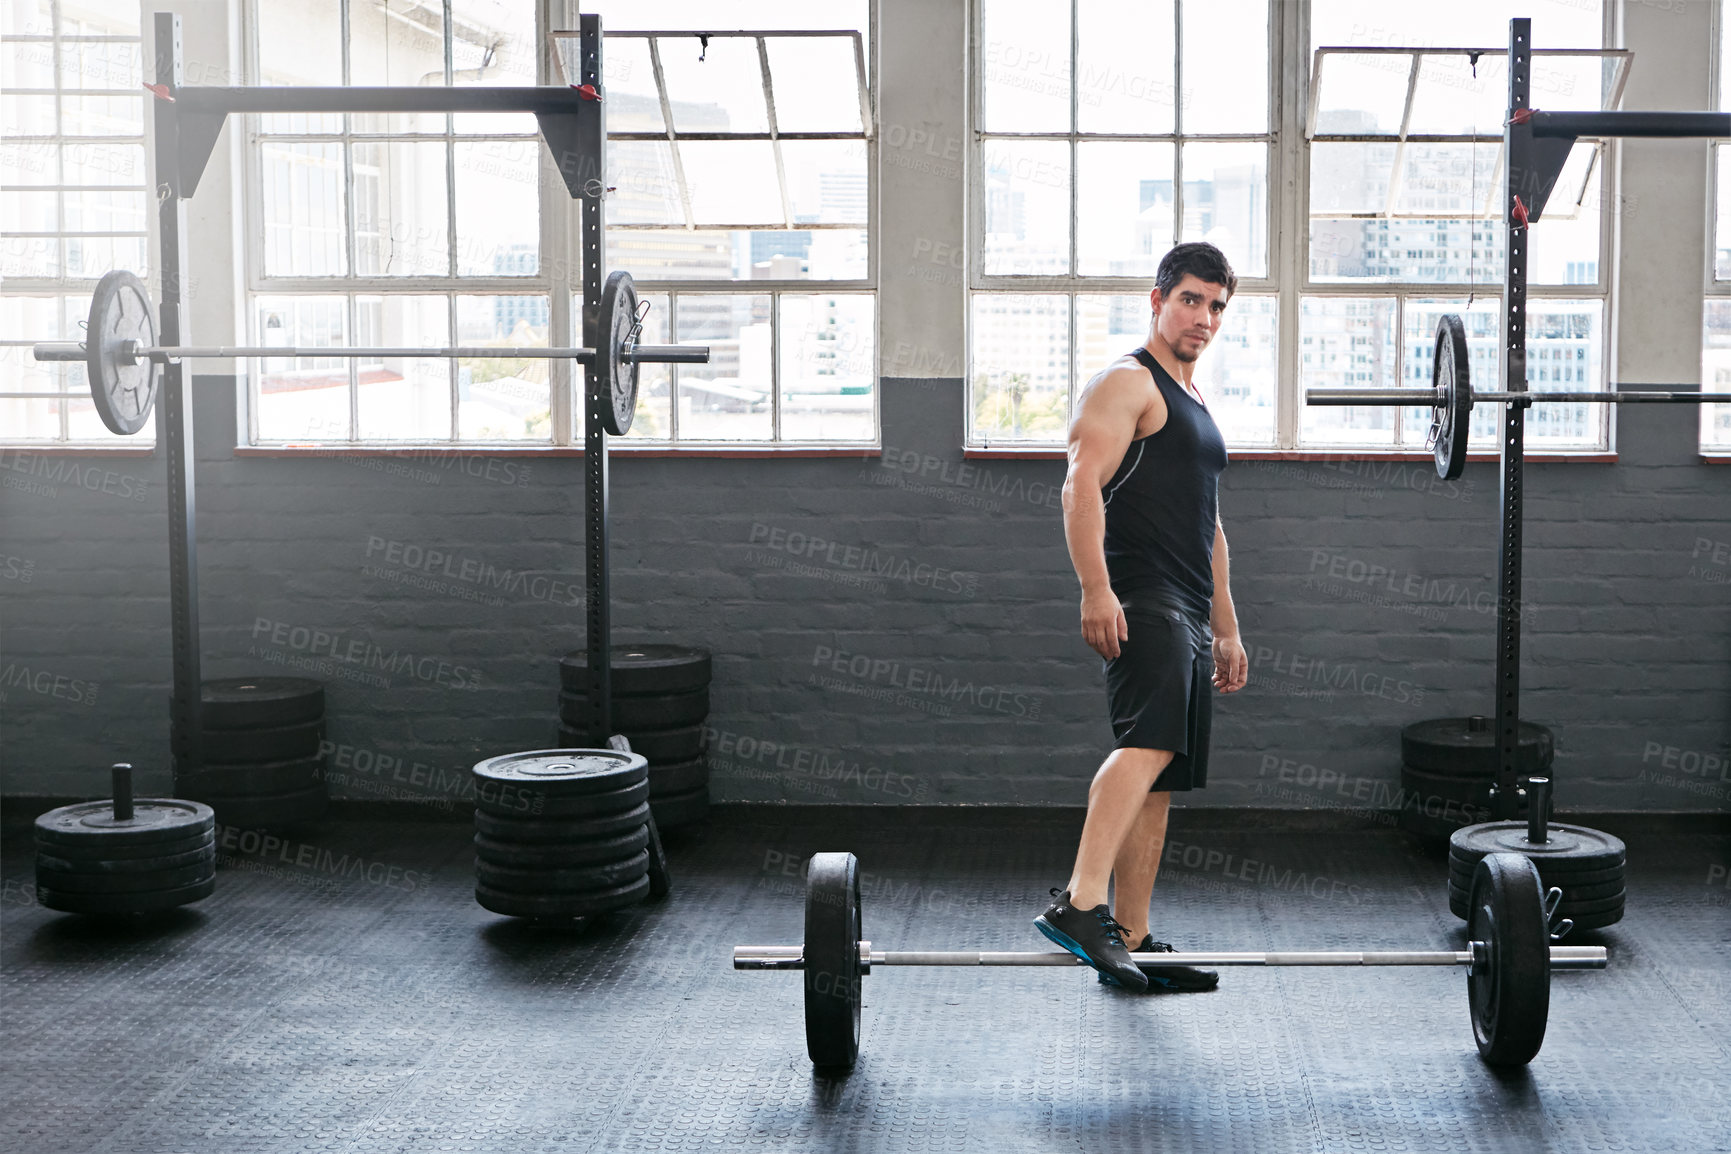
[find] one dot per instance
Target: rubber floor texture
(342, 991)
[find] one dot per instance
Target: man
(1142, 521)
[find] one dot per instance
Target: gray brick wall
(1365, 590)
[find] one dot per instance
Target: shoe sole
(1162, 985)
(1059, 937)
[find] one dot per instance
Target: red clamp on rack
(1521, 116)
(1519, 212)
(161, 92)
(588, 92)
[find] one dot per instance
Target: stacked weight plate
(565, 833)
(125, 856)
(1586, 864)
(660, 702)
(260, 762)
(1448, 766)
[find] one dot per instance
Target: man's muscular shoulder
(1124, 391)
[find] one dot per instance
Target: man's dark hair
(1195, 258)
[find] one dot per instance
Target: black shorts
(1160, 690)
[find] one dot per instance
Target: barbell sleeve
(58, 351)
(669, 355)
(792, 958)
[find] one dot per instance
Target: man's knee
(1149, 763)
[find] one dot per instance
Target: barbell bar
(129, 353)
(1508, 958)
(122, 357)
(793, 958)
(1451, 397)
(1393, 398)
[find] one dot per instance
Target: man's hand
(1231, 666)
(1103, 624)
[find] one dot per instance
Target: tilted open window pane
(718, 88)
(633, 100)
(816, 83)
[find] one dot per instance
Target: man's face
(1189, 317)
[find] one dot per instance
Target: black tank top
(1162, 505)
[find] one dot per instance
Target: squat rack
(187, 122)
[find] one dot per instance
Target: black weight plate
(665, 780)
(1603, 898)
(601, 876)
(261, 702)
(1583, 848)
(640, 669)
(99, 852)
(558, 855)
(154, 819)
(272, 810)
(578, 905)
(1461, 874)
(677, 809)
(1451, 415)
(251, 746)
(519, 830)
(1509, 990)
(48, 863)
(513, 801)
(660, 878)
(1450, 746)
(561, 772)
(632, 715)
(186, 875)
(120, 311)
(265, 777)
(617, 376)
(141, 903)
(831, 950)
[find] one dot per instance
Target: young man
(1142, 520)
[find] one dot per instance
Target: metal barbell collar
(130, 353)
(1424, 398)
(792, 958)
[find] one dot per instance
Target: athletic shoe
(1172, 979)
(1094, 937)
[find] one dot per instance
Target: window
(1716, 329)
(740, 165)
(1105, 137)
(1405, 183)
(400, 230)
(73, 200)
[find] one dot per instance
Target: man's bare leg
(1135, 867)
(1116, 801)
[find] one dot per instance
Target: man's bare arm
(1101, 430)
(1231, 666)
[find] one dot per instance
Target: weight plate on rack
(520, 830)
(119, 312)
(261, 702)
(50, 863)
(578, 880)
(618, 375)
(551, 773)
(642, 669)
(560, 855)
(509, 800)
(1451, 414)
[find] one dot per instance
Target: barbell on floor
(121, 355)
(1451, 397)
(1509, 958)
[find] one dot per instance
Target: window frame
(61, 287)
(1289, 280)
(1072, 285)
(1713, 288)
(776, 287)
